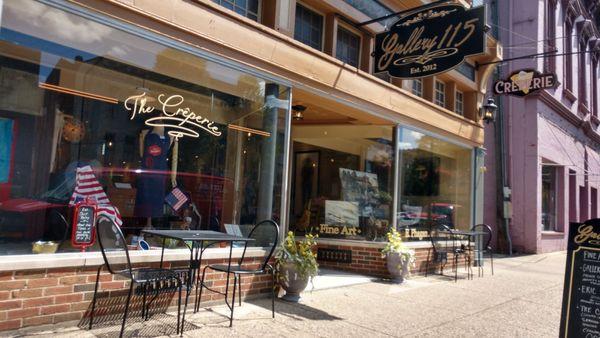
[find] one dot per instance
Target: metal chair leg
(273, 292)
(427, 263)
(126, 308)
(492, 261)
(199, 295)
(240, 291)
(179, 309)
(232, 300)
(95, 294)
(144, 308)
(454, 264)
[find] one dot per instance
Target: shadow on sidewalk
(293, 310)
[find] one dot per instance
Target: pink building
(551, 138)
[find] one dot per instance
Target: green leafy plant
(395, 245)
(299, 253)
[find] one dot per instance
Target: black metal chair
(443, 244)
(482, 246)
(116, 259)
(265, 234)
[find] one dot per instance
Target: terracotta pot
(397, 268)
(291, 281)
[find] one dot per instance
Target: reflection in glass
(213, 132)
(435, 184)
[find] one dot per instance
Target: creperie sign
(525, 82)
(178, 120)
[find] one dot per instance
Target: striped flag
(176, 199)
(88, 187)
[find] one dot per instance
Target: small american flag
(177, 199)
(87, 187)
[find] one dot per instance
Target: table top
(197, 235)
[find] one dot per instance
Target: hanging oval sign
(430, 41)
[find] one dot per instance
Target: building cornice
(586, 124)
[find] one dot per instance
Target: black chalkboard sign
(83, 225)
(581, 295)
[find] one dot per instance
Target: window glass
(247, 8)
(308, 27)
(342, 181)
(347, 46)
(459, 103)
(417, 87)
(89, 111)
(435, 184)
(440, 93)
(548, 198)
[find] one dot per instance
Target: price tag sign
(83, 225)
(581, 295)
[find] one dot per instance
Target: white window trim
(462, 102)
(258, 13)
(443, 92)
(412, 87)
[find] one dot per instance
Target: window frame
(568, 58)
(412, 87)
(442, 93)
(554, 184)
(550, 35)
(258, 13)
(462, 102)
(316, 11)
(353, 31)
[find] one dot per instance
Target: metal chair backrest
(265, 234)
(440, 237)
(487, 238)
(113, 246)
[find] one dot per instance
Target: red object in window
(154, 150)
(5, 187)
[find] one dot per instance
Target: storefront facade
(126, 101)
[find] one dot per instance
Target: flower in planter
(395, 245)
(300, 253)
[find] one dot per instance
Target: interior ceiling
(320, 110)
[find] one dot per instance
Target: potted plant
(296, 265)
(399, 258)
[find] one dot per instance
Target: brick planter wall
(368, 261)
(49, 296)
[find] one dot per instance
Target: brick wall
(49, 296)
(368, 261)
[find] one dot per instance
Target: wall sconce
(298, 112)
(488, 111)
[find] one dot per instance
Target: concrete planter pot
(397, 268)
(291, 281)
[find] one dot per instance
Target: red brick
(65, 317)
(52, 309)
(11, 304)
(3, 315)
(30, 274)
(6, 275)
(38, 320)
(80, 306)
(23, 313)
(103, 278)
(27, 293)
(10, 324)
(68, 298)
(42, 282)
(58, 290)
(4, 295)
(12, 285)
(112, 285)
(70, 280)
(36, 302)
(61, 272)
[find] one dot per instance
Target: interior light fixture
(298, 112)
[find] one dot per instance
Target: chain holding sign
(430, 41)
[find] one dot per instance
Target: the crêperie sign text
(179, 120)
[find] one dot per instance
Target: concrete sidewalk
(522, 299)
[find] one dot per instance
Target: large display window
(435, 184)
(158, 137)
